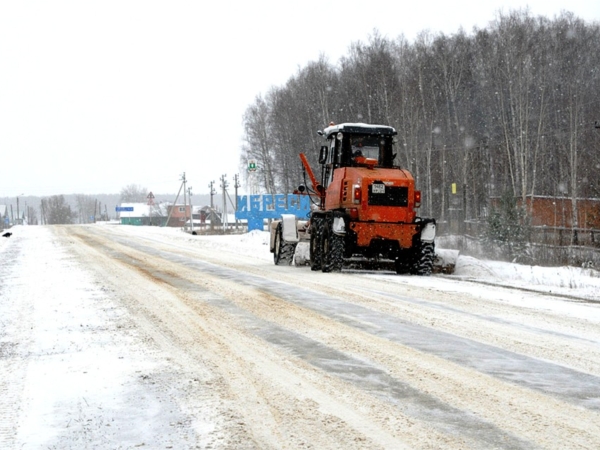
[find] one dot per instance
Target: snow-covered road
(128, 337)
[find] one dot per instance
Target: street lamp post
(18, 214)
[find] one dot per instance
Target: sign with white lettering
(256, 208)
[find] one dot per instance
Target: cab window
(367, 146)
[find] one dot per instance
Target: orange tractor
(364, 207)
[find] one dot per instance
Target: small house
(140, 214)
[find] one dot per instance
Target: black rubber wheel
(284, 252)
(332, 248)
(315, 246)
(423, 262)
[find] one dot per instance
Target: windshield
(367, 146)
(345, 150)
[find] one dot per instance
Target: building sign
(256, 208)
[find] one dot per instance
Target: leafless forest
(506, 109)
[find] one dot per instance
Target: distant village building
(557, 212)
(178, 215)
(206, 214)
(141, 214)
(201, 217)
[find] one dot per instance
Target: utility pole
(183, 182)
(191, 208)
(211, 185)
(174, 204)
(43, 213)
(224, 185)
(236, 185)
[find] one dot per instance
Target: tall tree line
(509, 108)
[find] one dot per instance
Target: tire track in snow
(280, 412)
(567, 384)
(450, 309)
(361, 318)
(362, 374)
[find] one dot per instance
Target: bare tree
(133, 193)
(575, 48)
(57, 211)
(295, 121)
(87, 208)
(259, 142)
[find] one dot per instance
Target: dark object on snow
(7, 234)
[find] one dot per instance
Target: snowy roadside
(74, 372)
(568, 281)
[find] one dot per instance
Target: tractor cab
(356, 145)
(352, 145)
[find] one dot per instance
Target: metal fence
(550, 246)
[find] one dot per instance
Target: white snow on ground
(566, 281)
(572, 281)
(89, 365)
(74, 357)
(569, 281)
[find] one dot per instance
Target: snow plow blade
(445, 261)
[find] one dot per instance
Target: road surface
(113, 337)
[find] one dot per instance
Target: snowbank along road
(128, 337)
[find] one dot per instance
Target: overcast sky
(97, 95)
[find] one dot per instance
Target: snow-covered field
(87, 359)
